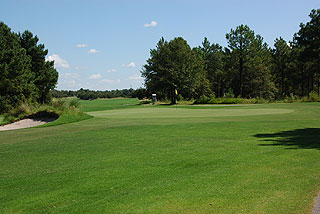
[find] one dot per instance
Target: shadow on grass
(308, 138)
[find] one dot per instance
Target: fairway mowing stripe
(184, 113)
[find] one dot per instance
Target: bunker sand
(26, 123)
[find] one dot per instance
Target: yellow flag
(176, 92)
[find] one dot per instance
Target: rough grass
(67, 109)
(153, 162)
(1, 120)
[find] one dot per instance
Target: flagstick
(175, 95)
(176, 98)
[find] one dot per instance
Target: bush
(146, 102)
(74, 103)
(202, 100)
(229, 100)
(229, 94)
(56, 107)
(180, 97)
(314, 97)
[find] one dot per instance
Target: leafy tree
(45, 74)
(25, 76)
(281, 60)
(16, 78)
(260, 82)
(140, 93)
(174, 66)
(239, 41)
(250, 58)
(308, 38)
(214, 57)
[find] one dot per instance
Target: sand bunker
(26, 123)
(34, 120)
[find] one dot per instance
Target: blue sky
(102, 45)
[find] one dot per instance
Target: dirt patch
(37, 119)
(316, 209)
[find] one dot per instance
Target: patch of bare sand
(26, 123)
(316, 209)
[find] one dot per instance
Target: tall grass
(229, 100)
(312, 97)
(57, 107)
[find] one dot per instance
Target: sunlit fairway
(184, 113)
(132, 158)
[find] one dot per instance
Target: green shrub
(180, 97)
(229, 94)
(313, 97)
(229, 100)
(202, 100)
(74, 103)
(57, 107)
(146, 102)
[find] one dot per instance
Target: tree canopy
(175, 66)
(25, 75)
(247, 68)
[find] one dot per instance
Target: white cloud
(93, 51)
(112, 70)
(95, 76)
(107, 81)
(136, 77)
(152, 24)
(131, 65)
(81, 45)
(69, 80)
(118, 81)
(58, 61)
(70, 75)
(80, 68)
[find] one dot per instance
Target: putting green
(184, 113)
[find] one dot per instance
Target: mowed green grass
(1, 119)
(107, 104)
(144, 159)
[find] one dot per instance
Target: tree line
(86, 94)
(25, 75)
(247, 68)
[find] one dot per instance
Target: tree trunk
(302, 88)
(282, 83)
(240, 76)
(173, 96)
(308, 86)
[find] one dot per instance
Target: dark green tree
(249, 58)
(16, 78)
(214, 57)
(45, 74)
(308, 39)
(260, 82)
(281, 59)
(175, 66)
(239, 41)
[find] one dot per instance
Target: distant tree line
(25, 75)
(247, 68)
(86, 94)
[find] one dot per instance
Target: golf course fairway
(131, 158)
